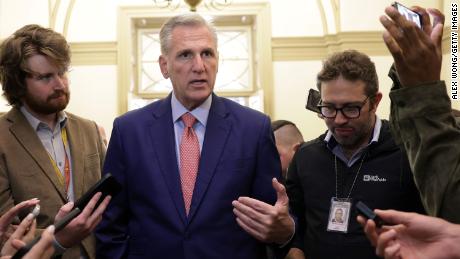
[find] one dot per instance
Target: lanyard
(354, 180)
(63, 180)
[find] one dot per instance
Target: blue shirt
(200, 113)
(52, 142)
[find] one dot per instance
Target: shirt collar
(331, 142)
(37, 124)
(200, 113)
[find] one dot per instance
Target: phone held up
(408, 14)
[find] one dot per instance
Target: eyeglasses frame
(363, 103)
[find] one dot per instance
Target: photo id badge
(339, 215)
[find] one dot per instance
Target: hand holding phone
(107, 185)
(408, 14)
(367, 213)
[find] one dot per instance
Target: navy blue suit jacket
(148, 219)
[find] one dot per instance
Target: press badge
(339, 215)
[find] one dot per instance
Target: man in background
(47, 153)
(288, 139)
(355, 160)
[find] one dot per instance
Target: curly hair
(26, 42)
(351, 65)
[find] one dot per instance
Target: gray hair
(189, 19)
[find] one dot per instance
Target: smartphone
(313, 99)
(409, 14)
(107, 185)
(366, 212)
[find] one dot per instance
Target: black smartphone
(107, 185)
(313, 99)
(366, 212)
(409, 14)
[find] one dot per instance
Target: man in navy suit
(235, 207)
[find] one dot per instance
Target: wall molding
(314, 48)
(319, 47)
(94, 53)
(283, 48)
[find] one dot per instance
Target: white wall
(292, 81)
(295, 18)
(15, 14)
(94, 94)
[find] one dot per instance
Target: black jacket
(384, 182)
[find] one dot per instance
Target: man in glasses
(355, 160)
(45, 151)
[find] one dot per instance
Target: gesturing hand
(267, 223)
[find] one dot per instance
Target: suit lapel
(162, 134)
(76, 156)
(28, 138)
(217, 130)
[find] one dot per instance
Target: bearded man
(47, 153)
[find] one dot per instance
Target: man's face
(349, 133)
(47, 87)
(338, 215)
(191, 63)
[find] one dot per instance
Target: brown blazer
(26, 171)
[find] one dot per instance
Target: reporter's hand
(370, 229)
(82, 226)
(295, 253)
(416, 52)
(24, 233)
(6, 219)
(267, 223)
(414, 235)
(44, 248)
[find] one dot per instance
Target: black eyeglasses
(348, 111)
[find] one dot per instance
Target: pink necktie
(189, 159)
